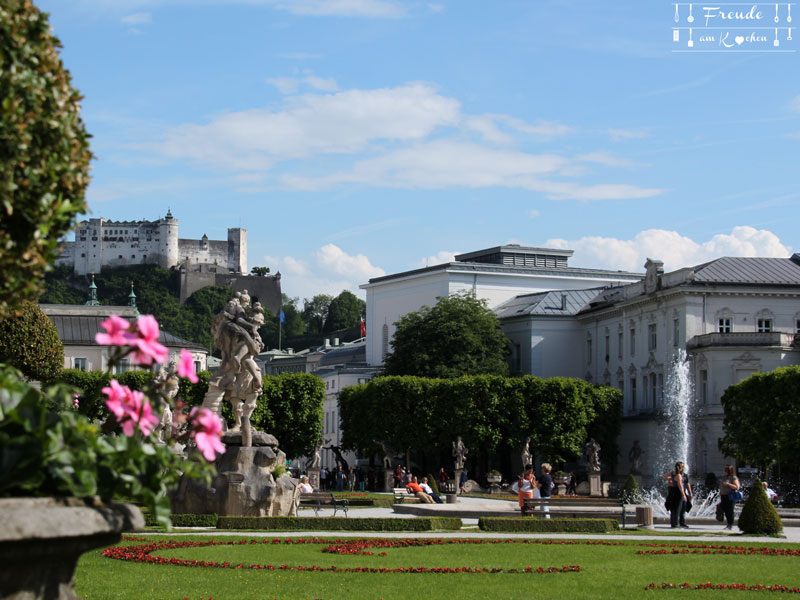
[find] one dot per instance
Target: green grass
(611, 572)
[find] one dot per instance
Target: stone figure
(635, 457)
(340, 460)
(238, 380)
(527, 456)
(167, 380)
(316, 458)
(388, 454)
(460, 452)
(592, 449)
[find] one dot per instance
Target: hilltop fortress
(101, 244)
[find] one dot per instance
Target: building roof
(349, 354)
(77, 325)
(556, 303)
(750, 270)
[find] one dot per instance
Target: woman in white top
(305, 487)
(526, 485)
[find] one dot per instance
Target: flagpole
(280, 326)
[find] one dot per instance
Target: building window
(725, 326)
(608, 347)
(644, 391)
(633, 341)
(619, 343)
(654, 389)
(660, 387)
(651, 337)
(589, 351)
(384, 341)
(703, 387)
(517, 358)
(79, 363)
(764, 325)
(676, 330)
(797, 326)
(633, 393)
(197, 366)
(122, 366)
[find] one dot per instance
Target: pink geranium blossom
(206, 431)
(186, 366)
(119, 333)
(147, 347)
(131, 408)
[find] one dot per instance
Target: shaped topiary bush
(44, 152)
(30, 342)
(758, 514)
(631, 492)
(433, 484)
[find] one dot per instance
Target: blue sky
(354, 138)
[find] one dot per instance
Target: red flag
(363, 328)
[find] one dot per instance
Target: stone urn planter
(41, 540)
(494, 479)
(561, 482)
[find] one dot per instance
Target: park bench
(401, 494)
(317, 500)
(589, 507)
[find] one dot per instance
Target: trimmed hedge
(758, 514)
(535, 524)
(185, 520)
(339, 523)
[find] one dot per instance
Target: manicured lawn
(607, 571)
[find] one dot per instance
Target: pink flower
(118, 332)
(206, 431)
(186, 366)
(148, 348)
(76, 404)
(130, 408)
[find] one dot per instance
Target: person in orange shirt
(526, 485)
(414, 488)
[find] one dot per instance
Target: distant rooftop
(750, 270)
(516, 255)
(554, 303)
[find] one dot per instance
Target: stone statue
(238, 380)
(316, 458)
(635, 458)
(527, 457)
(460, 452)
(592, 449)
(167, 380)
(388, 454)
(337, 451)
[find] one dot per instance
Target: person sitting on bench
(414, 488)
(428, 490)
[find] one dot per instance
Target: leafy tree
(291, 410)
(758, 515)
(315, 311)
(293, 324)
(259, 271)
(762, 419)
(458, 336)
(30, 342)
(344, 311)
(44, 152)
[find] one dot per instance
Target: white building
(101, 243)
(495, 274)
(732, 316)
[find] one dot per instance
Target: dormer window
(764, 325)
(725, 325)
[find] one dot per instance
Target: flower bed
(739, 587)
(143, 554)
(339, 523)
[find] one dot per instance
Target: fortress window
(83, 255)
(133, 256)
(120, 256)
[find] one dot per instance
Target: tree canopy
(44, 152)
(492, 413)
(344, 311)
(458, 336)
(315, 312)
(30, 342)
(762, 418)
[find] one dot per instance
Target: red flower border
(739, 587)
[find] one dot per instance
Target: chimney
(563, 302)
(327, 343)
(335, 341)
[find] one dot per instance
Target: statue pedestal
(595, 487)
(388, 480)
(457, 479)
(313, 478)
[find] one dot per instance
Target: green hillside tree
(344, 311)
(44, 152)
(460, 335)
(315, 311)
(29, 341)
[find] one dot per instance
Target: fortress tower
(237, 250)
(168, 235)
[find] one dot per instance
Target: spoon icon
(690, 18)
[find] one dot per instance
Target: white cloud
(675, 250)
(328, 270)
(435, 7)
(291, 85)
(342, 8)
(440, 258)
(344, 122)
(619, 135)
(285, 85)
(540, 128)
(488, 129)
(140, 18)
(325, 84)
(447, 163)
(605, 159)
(533, 214)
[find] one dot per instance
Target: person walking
(545, 487)
(729, 483)
(525, 485)
(676, 496)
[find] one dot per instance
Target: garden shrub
(29, 341)
(339, 523)
(758, 514)
(631, 492)
(44, 152)
(535, 524)
(184, 520)
(433, 484)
